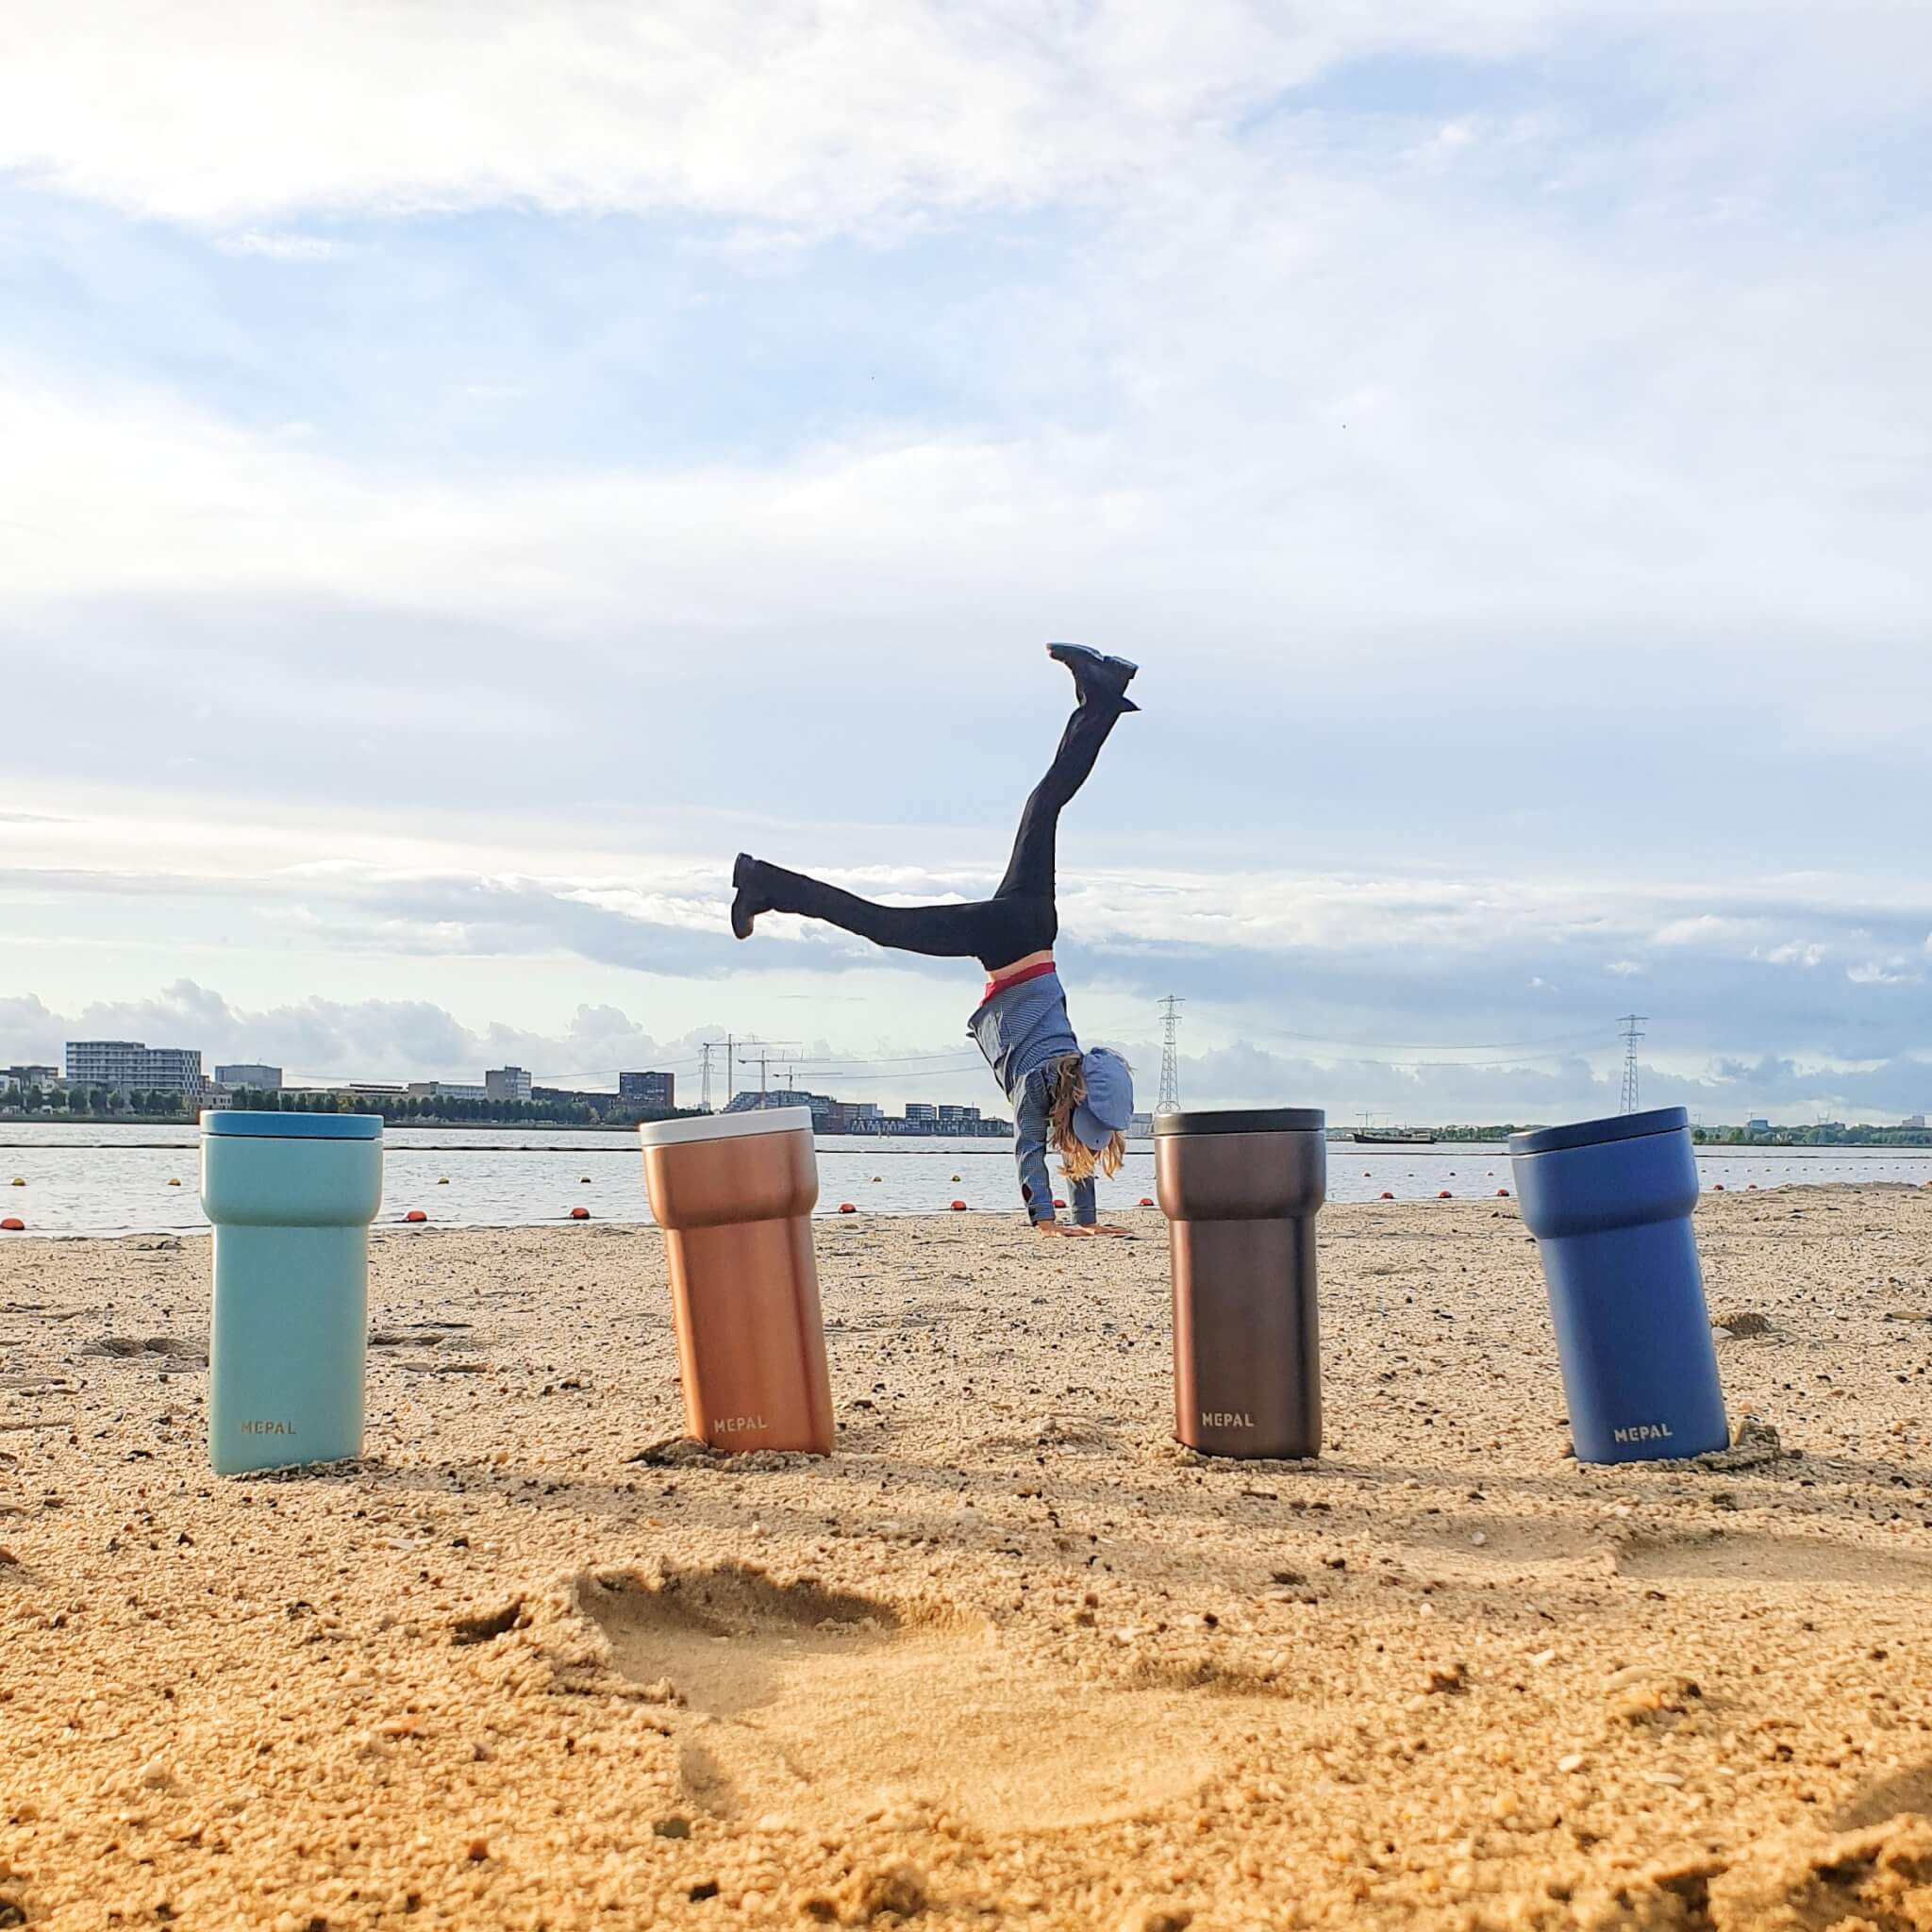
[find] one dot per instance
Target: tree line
(105, 1102)
(448, 1111)
(92, 1102)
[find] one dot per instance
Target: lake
(102, 1180)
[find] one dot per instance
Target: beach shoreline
(1010, 1656)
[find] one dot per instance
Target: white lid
(727, 1126)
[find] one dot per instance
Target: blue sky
(459, 485)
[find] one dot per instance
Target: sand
(1012, 1657)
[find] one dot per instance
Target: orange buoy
(1445, 1196)
(19, 1181)
(1717, 1187)
(580, 1214)
(1502, 1193)
(442, 1180)
(1058, 1203)
(1388, 1197)
(846, 1208)
(1147, 1200)
(958, 1207)
(585, 1182)
(415, 1214)
(175, 1181)
(13, 1224)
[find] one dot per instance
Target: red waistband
(1003, 980)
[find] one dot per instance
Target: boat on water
(1393, 1136)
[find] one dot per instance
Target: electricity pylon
(1169, 1055)
(1630, 1023)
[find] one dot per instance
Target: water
(88, 1179)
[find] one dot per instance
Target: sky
(464, 475)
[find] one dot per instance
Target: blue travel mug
(291, 1196)
(1609, 1202)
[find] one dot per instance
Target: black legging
(1018, 919)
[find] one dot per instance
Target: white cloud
(775, 109)
(1873, 973)
(275, 247)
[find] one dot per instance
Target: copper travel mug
(734, 1194)
(1241, 1191)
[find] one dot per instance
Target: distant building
(506, 1083)
(1141, 1128)
(748, 1102)
(127, 1066)
(920, 1113)
(29, 1075)
(446, 1090)
(648, 1090)
(1913, 1120)
(262, 1079)
(1757, 1127)
(958, 1120)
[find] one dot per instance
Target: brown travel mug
(734, 1194)
(1241, 1191)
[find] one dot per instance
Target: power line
(1437, 1046)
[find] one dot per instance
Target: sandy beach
(1011, 1657)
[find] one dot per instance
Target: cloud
(785, 113)
(281, 247)
(1494, 428)
(316, 1040)
(1871, 973)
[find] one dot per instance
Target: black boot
(748, 901)
(1099, 680)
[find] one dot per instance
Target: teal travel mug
(291, 1196)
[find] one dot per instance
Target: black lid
(1248, 1120)
(1623, 1126)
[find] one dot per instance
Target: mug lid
(1245, 1120)
(239, 1124)
(726, 1127)
(1623, 1127)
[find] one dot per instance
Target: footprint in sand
(820, 1706)
(1800, 1561)
(170, 1348)
(1908, 1790)
(1470, 1544)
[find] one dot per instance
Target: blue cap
(1623, 1127)
(293, 1126)
(1109, 1108)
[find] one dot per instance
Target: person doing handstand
(1079, 1104)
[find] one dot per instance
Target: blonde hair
(1078, 1162)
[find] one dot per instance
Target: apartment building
(129, 1066)
(648, 1090)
